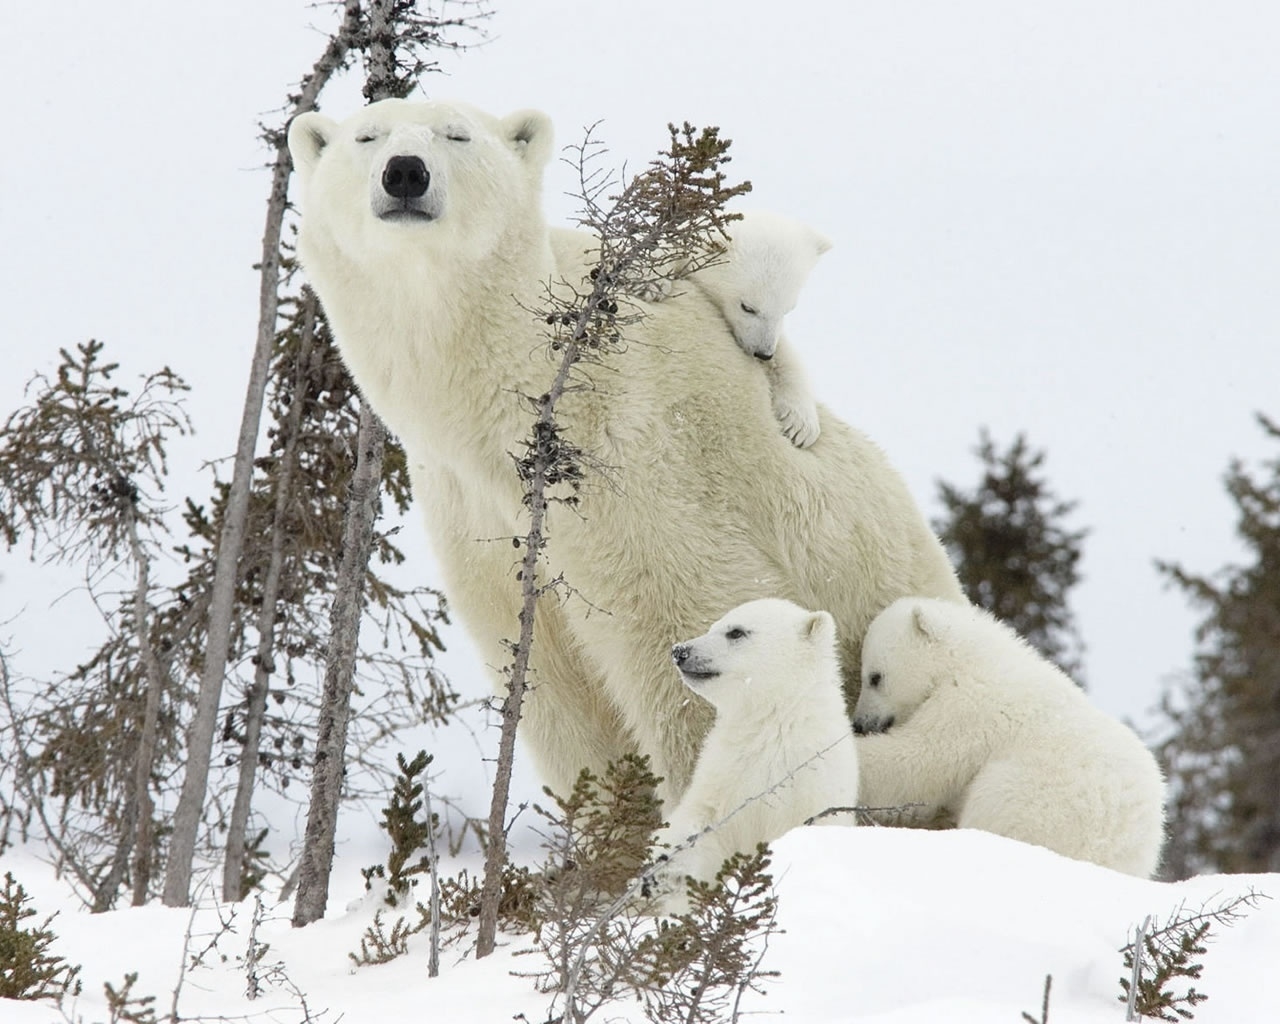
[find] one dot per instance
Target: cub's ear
(819, 627)
(922, 624)
(309, 133)
(530, 134)
(821, 243)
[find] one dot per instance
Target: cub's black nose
(405, 177)
(680, 653)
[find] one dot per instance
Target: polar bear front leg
(793, 401)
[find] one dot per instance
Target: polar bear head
(758, 280)
(909, 648)
(401, 182)
(766, 649)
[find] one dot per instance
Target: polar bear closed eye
(958, 712)
(781, 749)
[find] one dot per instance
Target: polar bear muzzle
(405, 177)
(404, 194)
(694, 668)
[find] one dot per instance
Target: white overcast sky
(1058, 218)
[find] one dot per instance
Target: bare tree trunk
(104, 893)
(186, 820)
(672, 207)
(139, 808)
(155, 676)
(264, 659)
(433, 863)
(316, 863)
(335, 707)
(495, 856)
(544, 450)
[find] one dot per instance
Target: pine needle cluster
(408, 832)
(27, 968)
(126, 1008)
(1159, 961)
(379, 946)
(599, 944)
(697, 966)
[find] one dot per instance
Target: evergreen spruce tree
(1222, 751)
(1013, 551)
(82, 471)
(28, 968)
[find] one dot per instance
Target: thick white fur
(706, 506)
(985, 727)
(781, 749)
(755, 285)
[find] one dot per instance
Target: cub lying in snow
(781, 749)
(959, 713)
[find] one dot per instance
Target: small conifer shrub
(1161, 959)
(27, 969)
(125, 1007)
(408, 832)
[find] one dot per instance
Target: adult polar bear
(424, 237)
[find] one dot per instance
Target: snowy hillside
(882, 926)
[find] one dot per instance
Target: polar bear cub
(781, 749)
(755, 282)
(959, 713)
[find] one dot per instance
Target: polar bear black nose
(680, 653)
(405, 177)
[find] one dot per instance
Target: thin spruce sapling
(663, 221)
(1159, 956)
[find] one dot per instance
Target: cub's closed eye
(749, 310)
(457, 135)
(367, 137)
(874, 680)
(737, 633)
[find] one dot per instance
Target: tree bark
(139, 808)
(534, 541)
(155, 676)
(264, 660)
(187, 817)
(316, 862)
(335, 707)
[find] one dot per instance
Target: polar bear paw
(797, 417)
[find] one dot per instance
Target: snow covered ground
(882, 926)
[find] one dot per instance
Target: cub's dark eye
(367, 137)
(749, 310)
(874, 680)
(457, 135)
(737, 633)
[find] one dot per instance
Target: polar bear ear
(921, 624)
(821, 242)
(309, 133)
(529, 133)
(819, 627)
